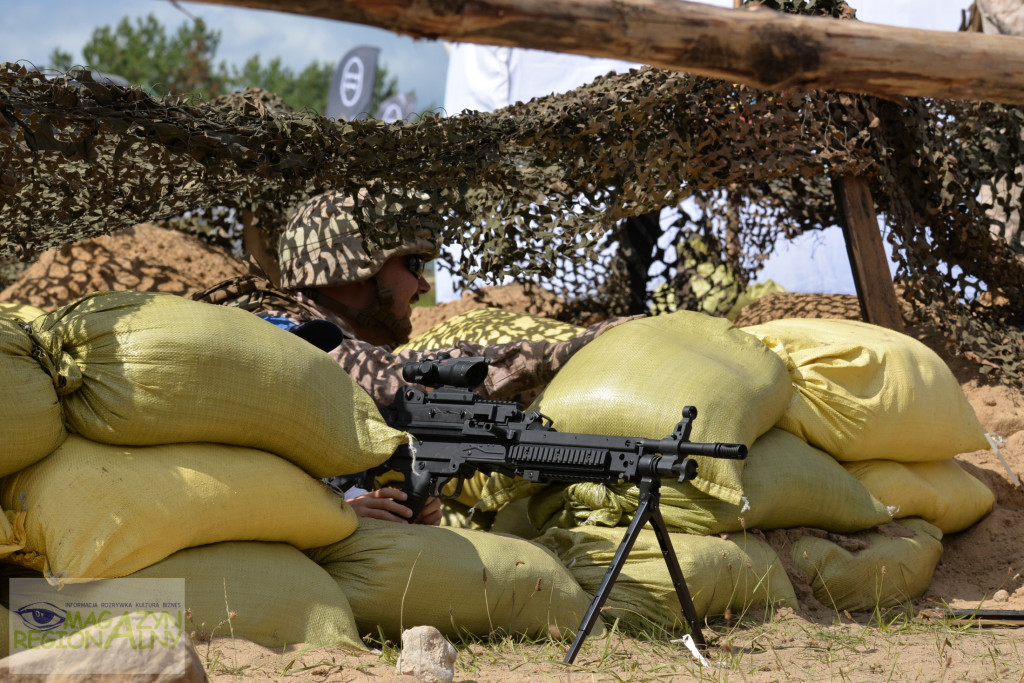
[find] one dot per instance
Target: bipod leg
(674, 570)
(640, 518)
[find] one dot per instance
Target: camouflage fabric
(516, 367)
(536, 192)
(255, 293)
(325, 244)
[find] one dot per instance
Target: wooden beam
(757, 47)
(870, 265)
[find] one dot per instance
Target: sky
(32, 29)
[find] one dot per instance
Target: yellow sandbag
(942, 492)
(279, 595)
(635, 379)
(30, 413)
(462, 516)
(867, 392)
(141, 369)
(732, 573)
(491, 326)
(133, 507)
(12, 532)
(786, 483)
(460, 581)
(879, 569)
(23, 312)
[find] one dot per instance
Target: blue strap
(283, 323)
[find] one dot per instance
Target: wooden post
(870, 265)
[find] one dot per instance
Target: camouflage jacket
(515, 368)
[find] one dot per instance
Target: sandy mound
(147, 258)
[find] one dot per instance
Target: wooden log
(870, 265)
(757, 47)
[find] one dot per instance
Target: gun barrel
(730, 451)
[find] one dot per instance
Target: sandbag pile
(176, 427)
(889, 409)
(849, 426)
(461, 581)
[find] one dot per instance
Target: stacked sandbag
(872, 398)
(786, 483)
(144, 369)
(192, 425)
(723, 574)
(491, 326)
(636, 378)
(31, 422)
(889, 566)
(891, 412)
(867, 392)
(461, 581)
(278, 595)
(135, 506)
(825, 448)
(940, 492)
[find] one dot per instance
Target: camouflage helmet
(323, 243)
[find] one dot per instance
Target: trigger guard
(442, 482)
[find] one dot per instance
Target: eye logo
(42, 616)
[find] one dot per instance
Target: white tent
(485, 78)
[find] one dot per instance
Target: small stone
(427, 655)
(1000, 596)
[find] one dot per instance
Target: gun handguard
(458, 433)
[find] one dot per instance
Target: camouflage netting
(539, 191)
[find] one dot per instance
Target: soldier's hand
(430, 513)
(384, 504)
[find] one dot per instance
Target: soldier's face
(405, 285)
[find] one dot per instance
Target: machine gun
(458, 433)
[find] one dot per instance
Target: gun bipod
(648, 510)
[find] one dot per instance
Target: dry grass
(897, 646)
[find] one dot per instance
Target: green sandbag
(136, 368)
(31, 426)
(722, 574)
(635, 379)
(867, 392)
(460, 581)
(878, 569)
(786, 483)
(280, 597)
(134, 506)
(940, 492)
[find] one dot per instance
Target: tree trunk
(758, 47)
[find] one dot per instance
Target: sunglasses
(415, 263)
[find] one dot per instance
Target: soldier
(327, 274)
